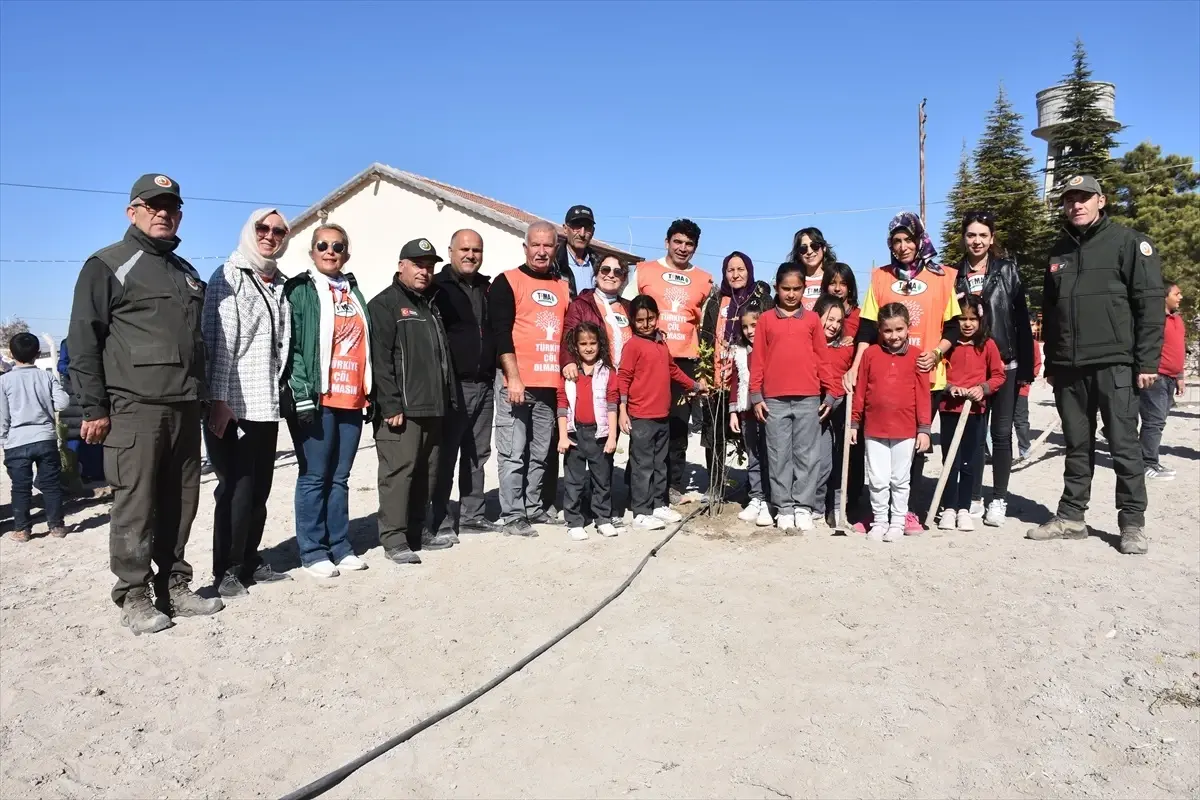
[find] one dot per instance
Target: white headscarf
(247, 249)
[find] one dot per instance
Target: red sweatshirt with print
(789, 357)
(969, 366)
(891, 397)
(645, 376)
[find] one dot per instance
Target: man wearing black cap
(575, 257)
(414, 391)
(137, 370)
(1103, 325)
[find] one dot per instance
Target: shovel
(949, 459)
(843, 522)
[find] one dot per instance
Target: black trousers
(679, 422)
(1001, 411)
(648, 464)
(1111, 391)
(586, 465)
(152, 462)
(244, 460)
(916, 480)
(408, 462)
(467, 433)
(1021, 424)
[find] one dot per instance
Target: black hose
(332, 779)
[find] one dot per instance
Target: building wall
(382, 215)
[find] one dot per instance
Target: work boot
(402, 555)
(441, 540)
(139, 614)
(519, 527)
(186, 603)
(231, 586)
(1058, 528)
(1134, 541)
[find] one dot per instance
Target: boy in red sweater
(1021, 413)
(891, 410)
(974, 371)
(1156, 400)
(644, 382)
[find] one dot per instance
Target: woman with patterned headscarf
(914, 279)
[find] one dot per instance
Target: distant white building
(383, 207)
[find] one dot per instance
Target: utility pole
(921, 117)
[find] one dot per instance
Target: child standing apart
(644, 382)
(891, 410)
(1021, 414)
(974, 371)
(28, 399)
(838, 357)
(587, 410)
(742, 420)
(788, 375)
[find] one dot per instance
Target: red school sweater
(1171, 361)
(838, 359)
(1037, 368)
(892, 394)
(645, 376)
(850, 326)
(969, 366)
(789, 357)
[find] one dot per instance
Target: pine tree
(1087, 135)
(958, 203)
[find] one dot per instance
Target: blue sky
(638, 109)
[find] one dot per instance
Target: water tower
(1049, 107)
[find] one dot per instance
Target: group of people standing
(560, 356)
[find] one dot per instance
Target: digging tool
(947, 461)
(1032, 453)
(843, 521)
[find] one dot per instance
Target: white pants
(888, 465)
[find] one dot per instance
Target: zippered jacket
(411, 361)
(308, 364)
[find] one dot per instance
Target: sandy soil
(740, 664)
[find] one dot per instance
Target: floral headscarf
(737, 297)
(926, 254)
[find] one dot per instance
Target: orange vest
(927, 299)
(540, 306)
(679, 295)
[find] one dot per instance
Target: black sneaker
(544, 518)
(231, 586)
(442, 540)
(478, 526)
(519, 527)
(265, 573)
(402, 556)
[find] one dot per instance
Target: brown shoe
(58, 533)
(19, 536)
(1058, 528)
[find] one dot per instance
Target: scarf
(247, 255)
(926, 254)
(608, 304)
(738, 298)
(325, 341)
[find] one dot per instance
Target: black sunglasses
(337, 247)
(986, 217)
(805, 249)
(263, 230)
(156, 204)
(620, 272)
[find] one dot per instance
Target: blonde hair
(329, 226)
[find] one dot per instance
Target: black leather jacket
(1004, 295)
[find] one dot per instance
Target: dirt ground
(740, 664)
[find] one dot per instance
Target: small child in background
(1021, 413)
(644, 382)
(839, 281)
(587, 410)
(974, 371)
(838, 356)
(891, 410)
(29, 397)
(742, 420)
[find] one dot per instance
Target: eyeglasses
(805, 249)
(155, 205)
(620, 272)
(263, 230)
(337, 247)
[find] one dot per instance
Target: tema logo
(677, 278)
(545, 298)
(909, 287)
(621, 320)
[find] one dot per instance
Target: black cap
(1083, 183)
(580, 214)
(418, 249)
(153, 184)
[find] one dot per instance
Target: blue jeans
(325, 450)
(957, 493)
(19, 462)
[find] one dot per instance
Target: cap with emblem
(153, 184)
(1083, 183)
(418, 249)
(580, 214)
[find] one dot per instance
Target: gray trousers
(467, 442)
(829, 477)
(1155, 405)
(523, 435)
(757, 473)
(586, 464)
(792, 451)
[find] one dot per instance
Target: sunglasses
(337, 247)
(986, 217)
(155, 205)
(263, 230)
(620, 272)
(805, 249)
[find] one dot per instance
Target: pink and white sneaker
(912, 525)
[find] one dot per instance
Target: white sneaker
(666, 514)
(995, 513)
(750, 512)
(948, 519)
(578, 534)
(648, 522)
(965, 521)
(804, 520)
(322, 569)
(894, 533)
(977, 508)
(607, 530)
(878, 533)
(351, 563)
(785, 522)
(764, 515)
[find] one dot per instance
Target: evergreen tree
(1087, 135)
(958, 203)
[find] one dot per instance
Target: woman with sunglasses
(247, 330)
(330, 383)
(998, 283)
(810, 250)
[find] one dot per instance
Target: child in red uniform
(891, 411)
(644, 381)
(974, 371)
(1155, 400)
(837, 356)
(839, 281)
(742, 420)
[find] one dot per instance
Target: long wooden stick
(949, 459)
(843, 523)
(1032, 452)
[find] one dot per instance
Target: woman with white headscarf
(247, 330)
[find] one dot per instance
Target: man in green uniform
(137, 369)
(1103, 324)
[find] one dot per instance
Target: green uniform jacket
(1103, 299)
(303, 379)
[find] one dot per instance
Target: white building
(383, 207)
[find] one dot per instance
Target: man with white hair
(527, 306)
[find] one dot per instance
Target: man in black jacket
(461, 299)
(137, 369)
(574, 259)
(413, 391)
(1103, 322)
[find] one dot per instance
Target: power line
(81, 260)
(114, 191)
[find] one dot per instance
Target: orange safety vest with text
(540, 307)
(931, 300)
(680, 295)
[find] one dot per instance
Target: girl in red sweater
(839, 281)
(974, 371)
(891, 410)
(838, 356)
(644, 382)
